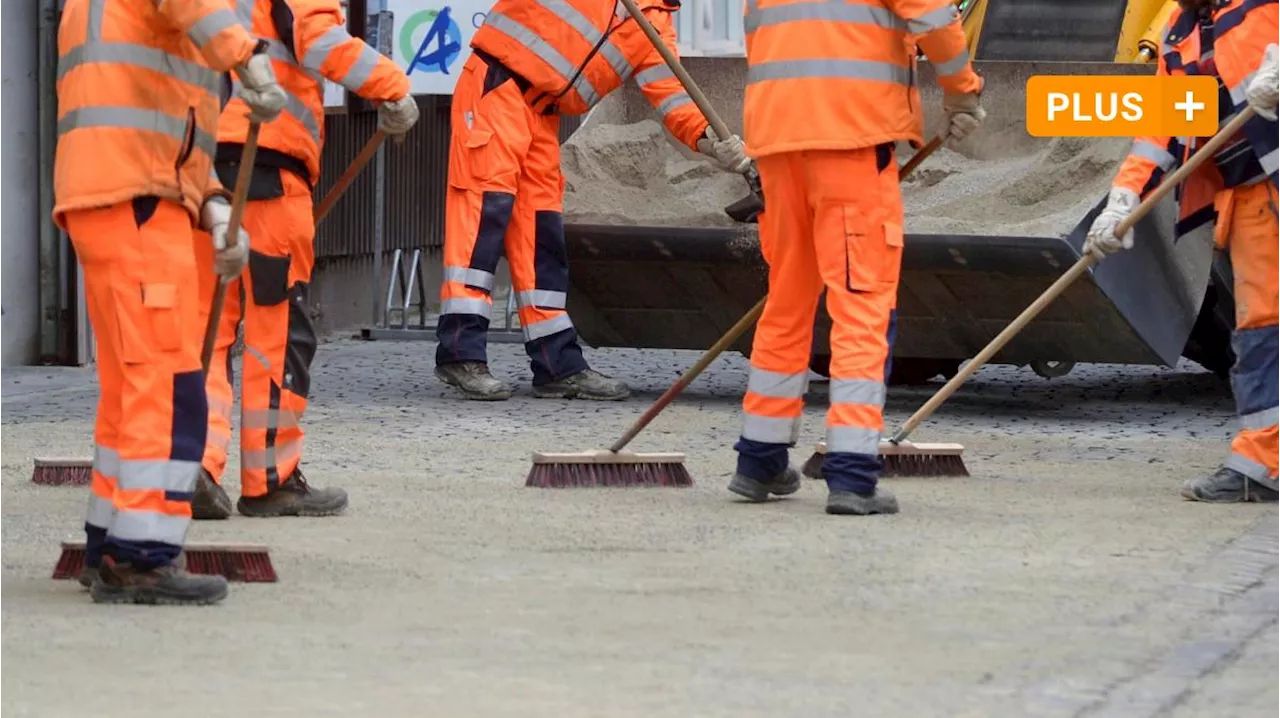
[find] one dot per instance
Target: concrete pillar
(19, 186)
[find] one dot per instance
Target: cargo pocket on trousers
(160, 305)
(469, 164)
(873, 252)
(269, 277)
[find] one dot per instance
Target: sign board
(433, 39)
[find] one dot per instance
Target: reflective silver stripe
(770, 430)
(848, 69)
(672, 102)
(159, 474)
(359, 72)
(465, 305)
(134, 118)
(1270, 161)
(262, 358)
(1240, 91)
(272, 456)
(590, 33)
(837, 11)
(1159, 155)
(1259, 420)
(952, 66)
(544, 51)
(853, 440)
(469, 276)
(206, 28)
(106, 461)
(856, 391)
(653, 74)
(933, 20)
(776, 384)
(126, 53)
(149, 526)
(547, 327)
(323, 46)
(93, 28)
(1246, 466)
(277, 50)
(244, 11)
(296, 108)
(100, 511)
(544, 298)
(269, 419)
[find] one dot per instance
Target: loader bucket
(966, 272)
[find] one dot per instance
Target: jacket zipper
(188, 140)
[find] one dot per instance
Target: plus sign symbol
(1189, 106)
(438, 47)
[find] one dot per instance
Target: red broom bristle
(924, 465)
(62, 475)
(582, 475)
(235, 565)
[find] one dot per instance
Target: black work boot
(1226, 486)
(788, 482)
(210, 502)
(473, 379)
(87, 575)
(586, 384)
(167, 585)
(849, 503)
(294, 497)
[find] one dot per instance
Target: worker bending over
(829, 91)
(534, 61)
(138, 101)
(1235, 42)
(308, 42)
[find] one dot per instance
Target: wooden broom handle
(239, 197)
(1081, 266)
(349, 175)
(737, 330)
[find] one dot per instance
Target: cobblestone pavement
(1063, 578)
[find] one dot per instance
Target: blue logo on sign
(439, 47)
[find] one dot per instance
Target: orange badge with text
(1121, 106)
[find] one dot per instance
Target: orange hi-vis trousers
(833, 221)
(279, 341)
(140, 275)
(1248, 229)
(505, 195)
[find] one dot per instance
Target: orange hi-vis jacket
(308, 42)
(840, 74)
(138, 100)
(575, 52)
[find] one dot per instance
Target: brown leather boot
(294, 497)
(119, 582)
(210, 502)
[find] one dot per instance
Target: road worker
(533, 62)
(1234, 41)
(138, 101)
(829, 92)
(307, 41)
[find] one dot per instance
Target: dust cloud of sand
(634, 175)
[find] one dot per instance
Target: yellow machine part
(1144, 23)
(972, 13)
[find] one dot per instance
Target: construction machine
(681, 287)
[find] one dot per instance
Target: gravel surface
(1064, 578)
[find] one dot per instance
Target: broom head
(62, 472)
(246, 563)
(905, 459)
(606, 468)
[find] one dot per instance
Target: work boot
(87, 575)
(473, 379)
(1226, 486)
(854, 504)
(294, 497)
(788, 482)
(586, 384)
(168, 585)
(210, 502)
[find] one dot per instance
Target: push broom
(79, 472)
(613, 466)
(901, 458)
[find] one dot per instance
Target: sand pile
(633, 174)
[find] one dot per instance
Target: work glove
(964, 115)
(259, 88)
(1102, 239)
(215, 218)
(397, 117)
(1264, 89)
(730, 154)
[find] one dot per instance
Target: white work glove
(964, 115)
(1264, 89)
(259, 89)
(1102, 239)
(730, 154)
(215, 218)
(397, 117)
